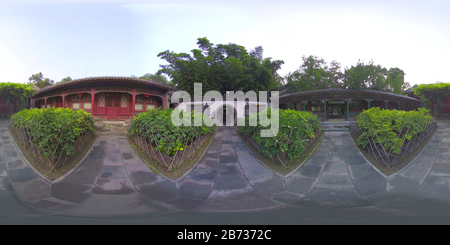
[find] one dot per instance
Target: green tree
(363, 76)
(221, 67)
(314, 73)
(39, 80)
(66, 79)
(156, 77)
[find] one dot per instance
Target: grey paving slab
(381, 197)
(272, 186)
(32, 190)
(401, 185)
(87, 172)
(193, 189)
(71, 192)
(52, 205)
(441, 169)
(160, 190)
(287, 197)
(424, 161)
(333, 197)
(339, 166)
(310, 170)
(141, 177)
(232, 183)
(335, 180)
(248, 199)
(113, 187)
(183, 203)
(22, 175)
(416, 173)
(113, 158)
(115, 205)
(300, 185)
(203, 175)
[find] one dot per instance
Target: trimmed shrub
(391, 128)
(170, 145)
(52, 134)
(295, 129)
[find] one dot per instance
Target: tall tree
(314, 73)
(157, 77)
(66, 79)
(395, 80)
(363, 76)
(39, 80)
(221, 67)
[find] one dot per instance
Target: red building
(105, 97)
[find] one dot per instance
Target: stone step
(335, 129)
(340, 126)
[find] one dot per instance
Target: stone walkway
(112, 180)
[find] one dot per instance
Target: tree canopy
(221, 67)
(315, 73)
(157, 77)
(39, 80)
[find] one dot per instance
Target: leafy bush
(156, 127)
(52, 132)
(391, 126)
(295, 130)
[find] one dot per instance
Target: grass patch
(68, 165)
(276, 166)
(176, 172)
(399, 165)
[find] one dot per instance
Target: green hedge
(52, 131)
(296, 128)
(156, 127)
(391, 126)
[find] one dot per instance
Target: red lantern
(79, 94)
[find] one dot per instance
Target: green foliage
(222, 67)
(388, 124)
(157, 77)
(295, 128)
(53, 128)
(314, 74)
(15, 91)
(156, 127)
(39, 80)
(432, 92)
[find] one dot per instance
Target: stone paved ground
(112, 180)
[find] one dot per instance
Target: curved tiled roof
(288, 94)
(106, 79)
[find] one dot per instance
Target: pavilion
(343, 104)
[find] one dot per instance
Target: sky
(90, 38)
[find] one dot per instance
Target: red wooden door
(112, 104)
